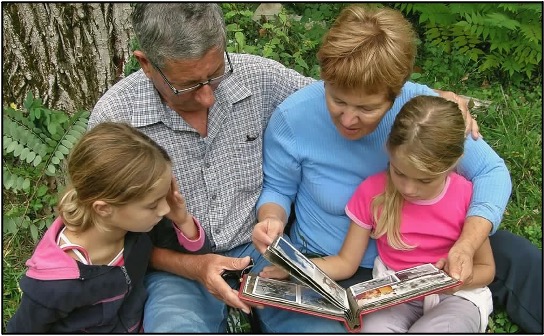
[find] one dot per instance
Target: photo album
(317, 294)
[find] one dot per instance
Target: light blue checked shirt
(219, 175)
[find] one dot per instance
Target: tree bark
(67, 54)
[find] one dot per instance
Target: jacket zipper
(127, 277)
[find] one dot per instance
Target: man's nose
(205, 96)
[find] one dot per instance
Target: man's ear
(145, 64)
(102, 208)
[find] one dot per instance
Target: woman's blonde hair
(430, 133)
(370, 49)
(112, 162)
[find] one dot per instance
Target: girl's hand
(178, 208)
(273, 272)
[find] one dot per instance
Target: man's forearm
(475, 231)
(182, 264)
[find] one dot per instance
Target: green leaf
(240, 39)
(37, 160)
(19, 182)
(67, 143)
(42, 190)
(34, 232)
(18, 149)
(26, 184)
(51, 169)
(63, 150)
(301, 62)
(8, 180)
(30, 157)
(12, 146)
(59, 155)
(52, 128)
(24, 153)
(28, 101)
(9, 225)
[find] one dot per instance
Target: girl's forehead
(161, 187)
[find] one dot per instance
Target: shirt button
(217, 231)
(214, 197)
(208, 165)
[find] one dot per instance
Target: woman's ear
(102, 208)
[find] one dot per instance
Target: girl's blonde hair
(112, 162)
(370, 49)
(430, 133)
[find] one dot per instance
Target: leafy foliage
(506, 38)
(291, 38)
(36, 141)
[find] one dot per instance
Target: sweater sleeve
(490, 178)
(282, 171)
(164, 235)
(191, 244)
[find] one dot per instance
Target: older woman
(323, 140)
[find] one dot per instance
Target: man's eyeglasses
(213, 82)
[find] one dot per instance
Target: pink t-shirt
(433, 226)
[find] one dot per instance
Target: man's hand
(209, 271)
(471, 126)
(274, 272)
(265, 232)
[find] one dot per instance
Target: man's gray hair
(177, 31)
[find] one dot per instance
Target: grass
(15, 251)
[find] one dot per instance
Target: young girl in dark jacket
(86, 273)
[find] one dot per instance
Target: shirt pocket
(248, 162)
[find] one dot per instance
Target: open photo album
(317, 294)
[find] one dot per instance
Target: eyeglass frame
(197, 86)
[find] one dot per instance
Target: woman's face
(355, 113)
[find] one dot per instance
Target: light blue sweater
(308, 162)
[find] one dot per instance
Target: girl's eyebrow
(158, 198)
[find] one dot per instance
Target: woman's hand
(265, 232)
(471, 126)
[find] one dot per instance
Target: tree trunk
(67, 54)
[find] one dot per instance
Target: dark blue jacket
(62, 295)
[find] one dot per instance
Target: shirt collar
(150, 109)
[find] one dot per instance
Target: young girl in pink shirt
(416, 210)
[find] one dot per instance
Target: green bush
(289, 39)
(505, 38)
(35, 142)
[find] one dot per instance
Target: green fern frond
(36, 141)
